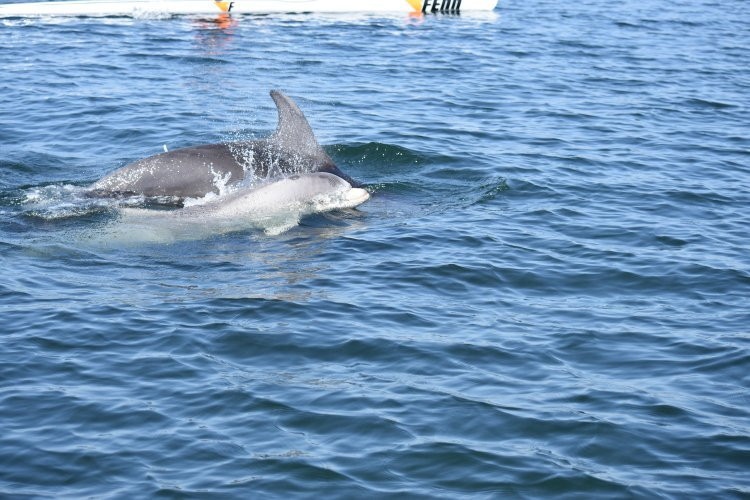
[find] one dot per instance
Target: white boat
(135, 8)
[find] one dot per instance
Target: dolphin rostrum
(198, 170)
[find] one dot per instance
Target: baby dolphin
(196, 171)
(303, 193)
(273, 207)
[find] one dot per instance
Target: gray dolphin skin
(194, 171)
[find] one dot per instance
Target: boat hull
(102, 8)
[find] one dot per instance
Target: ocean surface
(548, 293)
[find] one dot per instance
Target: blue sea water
(547, 294)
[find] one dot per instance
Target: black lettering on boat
(441, 6)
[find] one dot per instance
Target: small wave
(29, 168)
(178, 58)
(376, 159)
(492, 189)
(442, 196)
(16, 167)
(707, 103)
(383, 155)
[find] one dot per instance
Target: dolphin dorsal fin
(293, 133)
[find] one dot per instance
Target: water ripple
(545, 296)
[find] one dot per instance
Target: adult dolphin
(198, 170)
